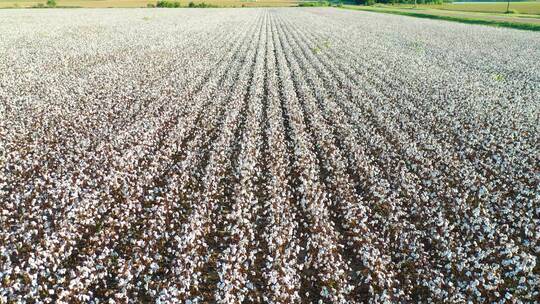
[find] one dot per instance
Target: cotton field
(293, 155)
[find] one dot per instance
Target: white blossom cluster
(266, 156)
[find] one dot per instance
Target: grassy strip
(443, 8)
(515, 25)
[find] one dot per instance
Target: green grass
(482, 20)
(314, 4)
(492, 7)
(522, 8)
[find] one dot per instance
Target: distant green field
(492, 7)
(144, 3)
(518, 21)
(526, 8)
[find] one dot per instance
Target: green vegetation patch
(201, 5)
(480, 21)
(169, 4)
(314, 4)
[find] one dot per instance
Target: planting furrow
(233, 284)
(282, 267)
(325, 272)
(261, 183)
(199, 238)
(237, 262)
(349, 210)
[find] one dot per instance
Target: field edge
(478, 21)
